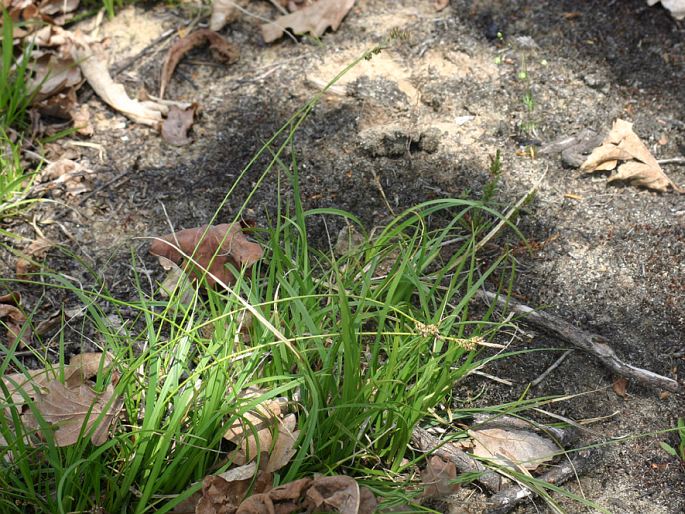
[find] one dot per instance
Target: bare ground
(422, 120)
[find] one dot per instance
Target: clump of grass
(363, 346)
(15, 98)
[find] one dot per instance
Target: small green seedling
(678, 452)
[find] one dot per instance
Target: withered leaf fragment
(67, 409)
(211, 248)
(177, 124)
(336, 492)
(80, 368)
(37, 249)
(438, 478)
(314, 19)
(639, 168)
(225, 12)
(15, 320)
(222, 494)
(225, 494)
(222, 50)
(512, 448)
(620, 386)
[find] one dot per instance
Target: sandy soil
(422, 119)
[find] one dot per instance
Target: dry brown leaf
(257, 504)
(222, 50)
(512, 448)
(80, 368)
(288, 497)
(222, 494)
(65, 172)
(640, 167)
(226, 493)
(335, 492)
(53, 74)
(439, 5)
(264, 430)
(67, 410)
(620, 386)
(284, 446)
(177, 124)
(438, 478)
(38, 249)
(22, 387)
(80, 116)
(85, 366)
(225, 12)
(314, 19)
(15, 320)
(211, 248)
(94, 68)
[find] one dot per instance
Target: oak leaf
(339, 493)
(81, 367)
(512, 448)
(211, 247)
(438, 478)
(15, 320)
(639, 167)
(265, 429)
(75, 411)
(314, 19)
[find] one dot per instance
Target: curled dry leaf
(177, 124)
(75, 411)
(94, 68)
(620, 386)
(224, 493)
(512, 448)
(15, 320)
(72, 175)
(341, 494)
(222, 50)
(225, 12)
(264, 430)
(53, 74)
(211, 248)
(438, 478)
(38, 249)
(639, 168)
(314, 19)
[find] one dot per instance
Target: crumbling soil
(419, 121)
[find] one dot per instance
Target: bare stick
(551, 368)
(508, 498)
(462, 460)
(591, 343)
(674, 160)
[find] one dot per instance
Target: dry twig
(591, 343)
